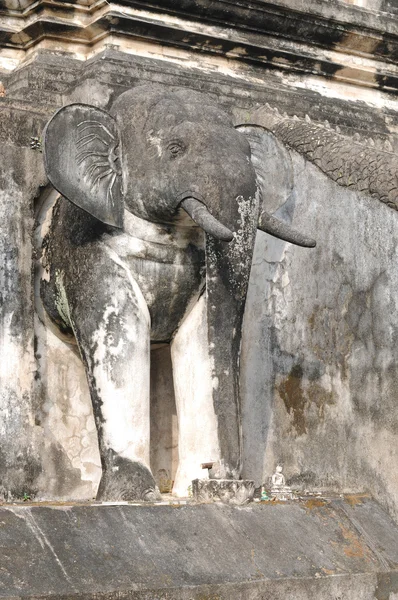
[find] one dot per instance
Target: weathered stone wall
(320, 348)
(21, 175)
(319, 363)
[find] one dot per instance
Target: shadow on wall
(164, 424)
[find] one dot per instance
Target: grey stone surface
(291, 551)
(21, 175)
(227, 491)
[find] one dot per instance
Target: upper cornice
(326, 38)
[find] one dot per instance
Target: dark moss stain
(389, 6)
(387, 84)
(58, 463)
(387, 584)
(279, 21)
(306, 479)
(292, 394)
(298, 393)
(350, 320)
(332, 338)
(20, 480)
(374, 331)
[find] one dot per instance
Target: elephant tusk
(200, 214)
(278, 229)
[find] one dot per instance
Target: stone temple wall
(319, 362)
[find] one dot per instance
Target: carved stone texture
(85, 141)
(354, 163)
(227, 491)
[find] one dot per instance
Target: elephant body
(152, 241)
(166, 261)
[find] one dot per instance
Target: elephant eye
(176, 148)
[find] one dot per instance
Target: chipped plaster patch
(155, 141)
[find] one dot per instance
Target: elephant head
(162, 154)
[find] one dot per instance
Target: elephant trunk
(227, 278)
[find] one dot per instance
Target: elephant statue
(151, 241)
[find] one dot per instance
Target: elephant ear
(274, 169)
(81, 145)
(273, 166)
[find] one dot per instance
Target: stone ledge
(51, 80)
(328, 549)
(339, 42)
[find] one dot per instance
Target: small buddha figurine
(164, 482)
(279, 489)
(278, 478)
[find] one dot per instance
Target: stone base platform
(227, 491)
(328, 549)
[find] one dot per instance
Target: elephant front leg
(111, 323)
(198, 440)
